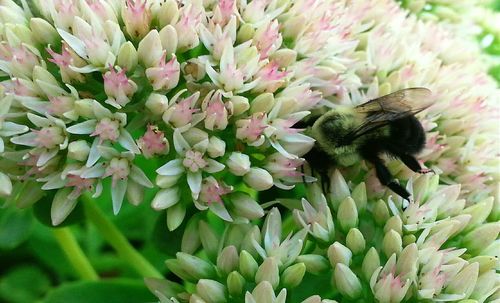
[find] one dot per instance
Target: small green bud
(392, 243)
(175, 216)
(235, 283)
(268, 271)
(284, 57)
(315, 264)
(407, 264)
(339, 189)
(246, 207)
(258, 179)
(240, 105)
(211, 291)
(127, 56)
(465, 281)
(292, 276)
(248, 265)
(6, 186)
(245, 32)
(479, 212)
(43, 32)
(78, 150)
(228, 259)
(209, 239)
(481, 236)
(168, 13)
(338, 253)
(263, 103)
(486, 263)
(347, 214)
(191, 238)
(195, 267)
(355, 241)
(409, 239)
(174, 266)
(347, 282)
(150, 49)
(370, 263)
(359, 196)
(61, 205)
(394, 223)
(168, 37)
(380, 212)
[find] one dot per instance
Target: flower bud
(355, 241)
(84, 108)
(175, 216)
(195, 267)
(168, 13)
(370, 263)
(166, 181)
(168, 37)
(284, 57)
(78, 150)
(464, 281)
(209, 239)
(135, 193)
(61, 206)
(5, 185)
(239, 105)
(315, 264)
(246, 207)
(392, 243)
(157, 104)
(408, 262)
(408, 239)
(238, 163)
(258, 179)
(338, 253)
(481, 236)
(486, 263)
(347, 214)
(381, 212)
(359, 196)
(292, 276)
(245, 32)
(190, 238)
(165, 198)
(394, 223)
(479, 212)
(127, 56)
(268, 271)
(248, 265)
(235, 283)
(194, 298)
(216, 147)
(174, 266)
(150, 51)
(338, 188)
(43, 32)
(228, 259)
(211, 291)
(263, 103)
(347, 282)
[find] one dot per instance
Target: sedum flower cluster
(352, 249)
(194, 103)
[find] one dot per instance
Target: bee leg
(413, 164)
(386, 178)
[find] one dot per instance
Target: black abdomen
(406, 135)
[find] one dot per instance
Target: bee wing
(397, 105)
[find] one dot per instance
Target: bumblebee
(385, 125)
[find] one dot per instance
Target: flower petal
(139, 177)
(126, 140)
(94, 153)
(213, 166)
(220, 210)
(26, 139)
(165, 198)
(117, 195)
(76, 44)
(171, 168)
(83, 128)
(194, 182)
(62, 205)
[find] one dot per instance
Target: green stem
(74, 253)
(117, 240)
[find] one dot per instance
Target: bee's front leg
(386, 178)
(412, 163)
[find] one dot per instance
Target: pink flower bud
(212, 190)
(118, 87)
(107, 129)
(153, 142)
(251, 130)
(215, 110)
(165, 75)
(137, 17)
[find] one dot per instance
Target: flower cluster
(357, 244)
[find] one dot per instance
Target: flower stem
(117, 240)
(74, 253)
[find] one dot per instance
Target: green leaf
(15, 226)
(24, 284)
(112, 291)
